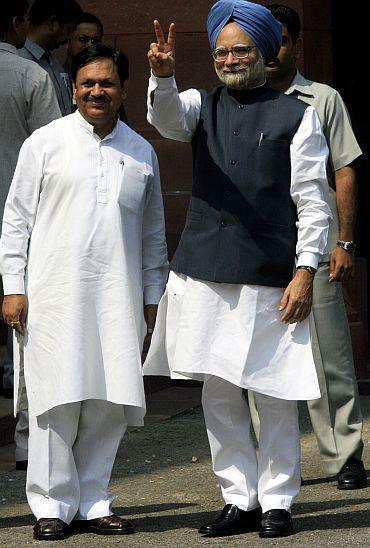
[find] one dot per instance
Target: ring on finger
(12, 324)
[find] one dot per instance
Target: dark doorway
(350, 31)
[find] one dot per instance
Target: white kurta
(83, 236)
(229, 330)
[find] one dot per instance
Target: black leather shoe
(352, 475)
(276, 523)
(21, 464)
(233, 521)
(50, 529)
(107, 525)
(8, 393)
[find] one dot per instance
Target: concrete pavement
(164, 484)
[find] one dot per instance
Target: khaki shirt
(336, 126)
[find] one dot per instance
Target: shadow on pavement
(151, 508)
(317, 481)
(345, 520)
(320, 505)
(29, 519)
(17, 521)
(329, 479)
(170, 522)
(339, 520)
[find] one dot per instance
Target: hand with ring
(12, 324)
(15, 309)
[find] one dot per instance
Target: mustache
(229, 70)
(97, 99)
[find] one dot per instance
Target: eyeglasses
(239, 51)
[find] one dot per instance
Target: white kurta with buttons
(83, 236)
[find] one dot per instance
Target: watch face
(348, 246)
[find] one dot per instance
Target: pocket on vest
(273, 159)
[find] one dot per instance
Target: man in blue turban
(256, 20)
(235, 313)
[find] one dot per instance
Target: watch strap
(310, 269)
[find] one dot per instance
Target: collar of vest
(246, 95)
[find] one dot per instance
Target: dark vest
(241, 221)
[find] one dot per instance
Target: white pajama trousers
(271, 479)
(71, 453)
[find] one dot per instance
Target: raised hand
(161, 54)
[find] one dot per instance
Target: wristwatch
(310, 269)
(350, 247)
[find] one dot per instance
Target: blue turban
(256, 20)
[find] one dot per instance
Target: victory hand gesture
(161, 54)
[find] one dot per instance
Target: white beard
(243, 76)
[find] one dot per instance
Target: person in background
(88, 32)
(336, 416)
(51, 25)
(27, 102)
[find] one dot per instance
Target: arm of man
(174, 115)
(19, 217)
(155, 262)
(343, 151)
(309, 190)
(342, 263)
(42, 102)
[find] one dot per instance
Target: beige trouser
(336, 416)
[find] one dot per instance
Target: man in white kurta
(84, 242)
(225, 317)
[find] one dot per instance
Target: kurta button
(240, 106)
(223, 223)
(236, 133)
(233, 162)
(227, 192)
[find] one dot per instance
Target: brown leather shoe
(50, 529)
(107, 525)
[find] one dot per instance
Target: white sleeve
(19, 218)
(155, 263)
(175, 115)
(309, 188)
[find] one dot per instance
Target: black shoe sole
(106, 533)
(272, 534)
(352, 486)
(51, 536)
(228, 533)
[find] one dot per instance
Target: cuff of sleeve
(307, 258)
(13, 284)
(153, 294)
(162, 83)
